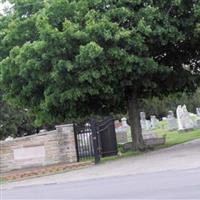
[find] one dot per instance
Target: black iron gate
(95, 139)
(106, 130)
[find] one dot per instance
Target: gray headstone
(121, 132)
(198, 123)
(154, 122)
(124, 122)
(170, 114)
(198, 111)
(143, 120)
(150, 138)
(121, 135)
(142, 116)
(148, 124)
(172, 121)
(172, 124)
(185, 121)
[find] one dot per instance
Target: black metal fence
(95, 139)
(84, 140)
(108, 142)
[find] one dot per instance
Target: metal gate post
(95, 141)
(76, 142)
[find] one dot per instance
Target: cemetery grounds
(172, 138)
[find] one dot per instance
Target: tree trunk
(134, 120)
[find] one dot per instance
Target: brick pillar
(66, 141)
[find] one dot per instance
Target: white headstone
(198, 111)
(148, 124)
(42, 131)
(124, 122)
(198, 123)
(172, 121)
(143, 120)
(142, 115)
(185, 122)
(9, 138)
(179, 113)
(121, 132)
(121, 135)
(154, 121)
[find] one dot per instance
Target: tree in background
(160, 107)
(75, 58)
(14, 122)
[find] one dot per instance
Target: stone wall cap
(28, 136)
(64, 125)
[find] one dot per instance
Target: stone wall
(42, 149)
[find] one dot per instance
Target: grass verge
(172, 138)
(120, 155)
(176, 137)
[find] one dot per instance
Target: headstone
(179, 113)
(145, 132)
(172, 121)
(198, 111)
(9, 138)
(148, 124)
(42, 131)
(198, 123)
(164, 118)
(121, 135)
(117, 124)
(170, 114)
(124, 122)
(143, 120)
(154, 121)
(142, 115)
(121, 132)
(185, 122)
(151, 139)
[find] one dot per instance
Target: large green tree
(14, 122)
(74, 58)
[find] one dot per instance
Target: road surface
(174, 184)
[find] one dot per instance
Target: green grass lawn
(176, 137)
(120, 155)
(173, 137)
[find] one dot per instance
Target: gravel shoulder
(179, 157)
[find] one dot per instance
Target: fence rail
(95, 139)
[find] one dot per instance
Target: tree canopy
(14, 122)
(65, 59)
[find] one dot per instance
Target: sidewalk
(183, 156)
(43, 170)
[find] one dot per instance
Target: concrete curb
(43, 171)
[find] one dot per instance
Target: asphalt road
(176, 184)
